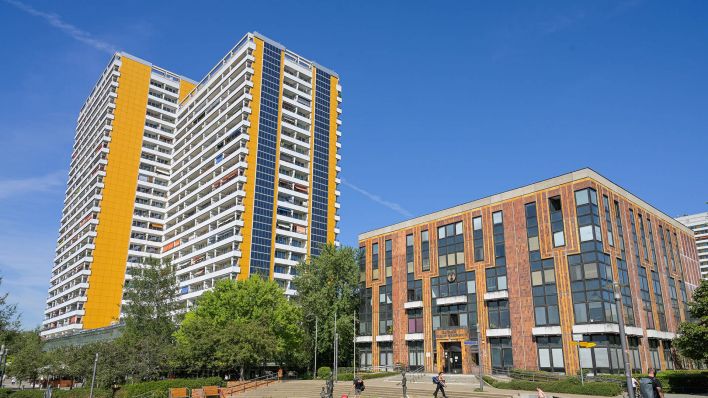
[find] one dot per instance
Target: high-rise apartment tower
(234, 176)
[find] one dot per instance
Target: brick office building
(533, 267)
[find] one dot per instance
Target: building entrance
(453, 358)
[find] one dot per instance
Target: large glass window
(478, 237)
(543, 279)
(671, 250)
(634, 357)
(556, 216)
(591, 270)
(386, 355)
(684, 300)
(605, 357)
(425, 250)
(498, 311)
(664, 253)
(651, 243)
(416, 354)
(644, 237)
(451, 245)
(654, 354)
(498, 229)
(550, 353)
(415, 320)
(415, 288)
(364, 355)
(646, 297)
(362, 264)
(608, 220)
(375, 261)
(386, 308)
(502, 356)
(673, 294)
(410, 254)
(669, 355)
(496, 279)
(623, 271)
(365, 312)
(635, 242)
(659, 300)
(455, 282)
(388, 258)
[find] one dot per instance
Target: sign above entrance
(471, 342)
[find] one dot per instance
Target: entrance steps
(374, 389)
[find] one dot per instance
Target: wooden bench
(178, 393)
(210, 391)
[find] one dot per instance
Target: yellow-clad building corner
(105, 290)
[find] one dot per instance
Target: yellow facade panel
(332, 184)
(105, 290)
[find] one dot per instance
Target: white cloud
(391, 205)
(68, 29)
(45, 183)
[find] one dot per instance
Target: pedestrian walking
(404, 383)
(650, 387)
(358, 386)
(439, 382)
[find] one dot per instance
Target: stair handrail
(248, 385)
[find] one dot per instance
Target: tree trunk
(241, 373)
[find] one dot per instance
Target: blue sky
(444, 102)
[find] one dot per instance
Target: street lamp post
(93, 378)
(623, 339)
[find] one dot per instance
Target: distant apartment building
(699, 224)
(232, 176)
(116, 196)
(529, 270)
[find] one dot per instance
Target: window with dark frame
(388, 257)
(478, 238)
(451, 245)
(425, 250)
(375, 261)
(543, 279)
(555, 208)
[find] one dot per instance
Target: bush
(161, 386)
(365, 376)
(5, 392)
(569, 385)
(324, 372)
(676, 381)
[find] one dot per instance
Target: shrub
(161, 386)
(324, 372)
(569, 385)
(365, 376)
(5, 392)
(676, 381)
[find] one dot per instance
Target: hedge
(569, 385)
(677, 381)
(365, 376)
(161, 386)
(39, 393)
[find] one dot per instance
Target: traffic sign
(471, 342)
(584, 344)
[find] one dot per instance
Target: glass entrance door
(453, 358)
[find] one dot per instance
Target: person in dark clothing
(358, 386)
(439, 381)
(650, 387)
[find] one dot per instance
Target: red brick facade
(524, 347)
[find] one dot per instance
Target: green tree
(693, 335)
(239, 325)
(26, 360)
(9, 320)
(147, 341)
(327, 284)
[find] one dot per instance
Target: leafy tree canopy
(693, 335)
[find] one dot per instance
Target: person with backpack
(650, 387)
(439, 382)
(358, 386)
